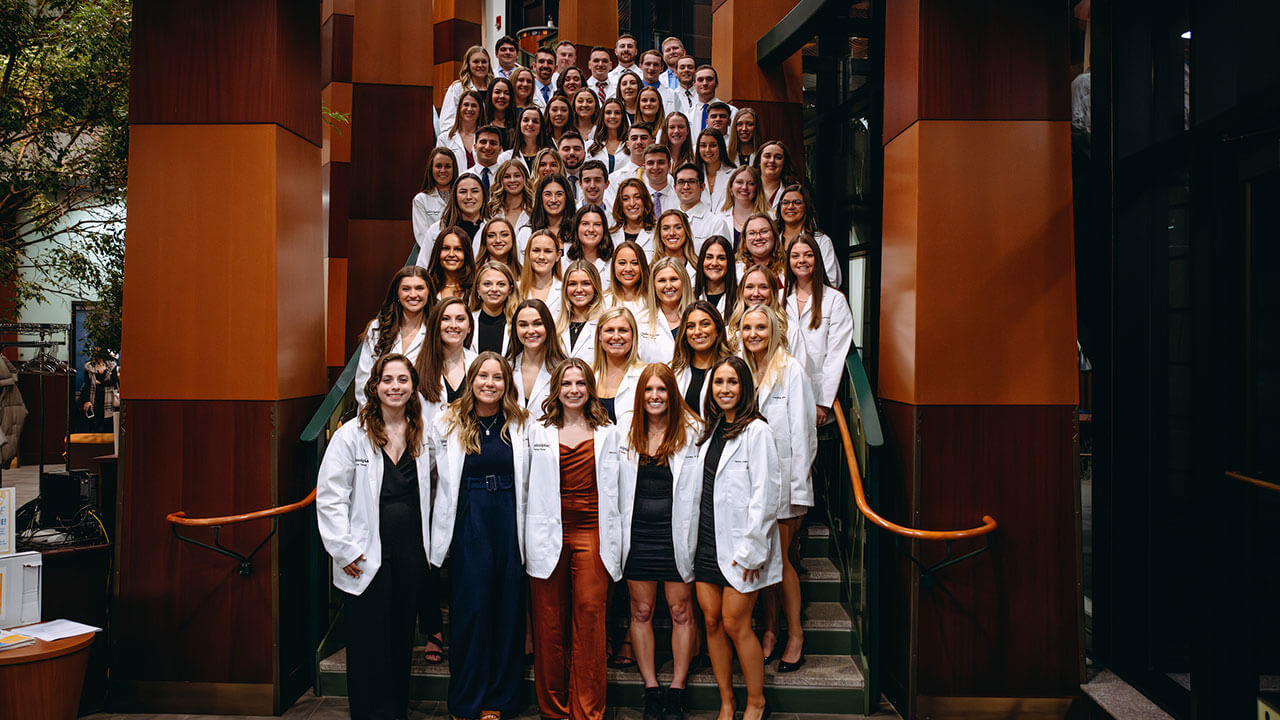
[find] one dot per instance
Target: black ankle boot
(673, 704)
(653, 703)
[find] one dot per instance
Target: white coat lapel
(730, 447)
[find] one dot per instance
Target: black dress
(706, 565)
(489, 332)
(693, 394)
(652, 556)
(608, 404)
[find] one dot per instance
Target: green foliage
(64, 132)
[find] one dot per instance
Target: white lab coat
(365, 365)
(619, 159)
(475, 333)
(454, 143)
(432, 409)
(670, 201)
(828, 345)
(347, 498)
(686, 472)
(585, 347)
(644, 239)
(745, 499)
(624, 403)
(541, 387)
(787, 404)
(657, 345)
(427, 208)
(478, 241)
(685, 376)
(449, 456)
(449, 107)
(544, 533)
(553, 297)
(714, 197)
(703, 223)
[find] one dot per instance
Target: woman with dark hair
(545, 164)
(776, 171)
(629, 93)
(658, 491)
(467, 209)
(633, 215)
(716, 167)
(822, 316)
(629, 280)
(373, 495)
(559, 116)
(737, 552)
(475, 74)
(531, 136)
(574, 543)
(535, 351)
(580, 305)
(571, 80)
(796, 217)
(745, 137)
(500, 108)
(553, 207)
(759, 245)
(437, 187)
(744, 200)
(786, 401)
(483, 462)
(451, 267)
(446, 355)
(400, 326)
(675, 240)
(716, 280)
(498, 243)
(609, 142)
(590, 240)
(586, 114)
(701, 342)
(461, 136)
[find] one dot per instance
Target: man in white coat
(703, 223)
(544, 65)
(657, 177)
(601, 81)
(626, 49)
(506, 52)
(705, 83)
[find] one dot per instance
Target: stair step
(827, 629)
(819, 580)
(815, 541)
(826, 684)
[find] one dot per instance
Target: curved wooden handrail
(180, 518)
(988, 523)
(1253, 481)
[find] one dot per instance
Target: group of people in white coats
(577, 394)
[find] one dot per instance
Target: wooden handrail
(1254, 481)
(180, 518)
(855, 475)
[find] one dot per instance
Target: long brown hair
(683, 356)
(746, 409)
(553, 409)
(431, 357)
(775, 259)
(461, 416)
(554, 354)
(375, 427)
(679, 415)
(817, 285)
(438, 276)
(391, 315)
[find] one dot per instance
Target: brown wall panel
(897, 473)
(335, 49)
(780, 121)
(185, 613)
(1004, 622)
(378, 249)
(452, 38)
(901, 66)
(336, 323)
(899, 242)
(391, 44)
(335, 178)
(241, 61)
(390, 138)
(299, 261)
(337, 134)
(589, 21)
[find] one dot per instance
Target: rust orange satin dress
(569, 607)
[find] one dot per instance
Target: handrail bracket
(246, 561)
(927, 572)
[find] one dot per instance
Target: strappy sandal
(618, 661)
(436, 656)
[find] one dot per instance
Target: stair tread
(820, 671)
(818, 569)
(817, 616)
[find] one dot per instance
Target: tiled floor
(310, 707)
(26, 479)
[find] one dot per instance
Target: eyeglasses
(792, 203)
(759, 233)
(686, 181)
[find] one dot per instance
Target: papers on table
(57, 630)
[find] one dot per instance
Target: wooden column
(337, 37)
(977, 359)
(589, 23)
(775, 93)
(456, 28)
(390, 135)
(224, 335)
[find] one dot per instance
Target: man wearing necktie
(544, 64)
(672, 51)
(684, 93)
(506, 51)
(598, 63)
(657, 169)
(573, 152)
(488, 145)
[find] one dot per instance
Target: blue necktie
(546, 93)
(484, 178)
(671, 79)
(657, 201)
(705, 108)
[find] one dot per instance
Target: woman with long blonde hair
(629, 279)
(617, 363)
(540, 274)
(745, 137)
(534, 353)
(475, 74)
(761, 286)
(483, 467)
(742, 200)
(512, 197)
(580, 305)
(785, 397)
(498, 243)
(669, 292)
(493, 301)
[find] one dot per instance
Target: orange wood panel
(470, 10)
(736, 25)
(299, 262)
(985, 270)
(445, 74)
(336, 310)
(589, 22)
(207, 227)
(901, 66)
(393, 42)
(329, 7)
(897, 365)
(337, 135)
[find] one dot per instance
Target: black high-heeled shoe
(776, 654)
(786, 667)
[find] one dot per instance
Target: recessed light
(1186, 35)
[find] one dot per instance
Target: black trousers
(380, 621)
